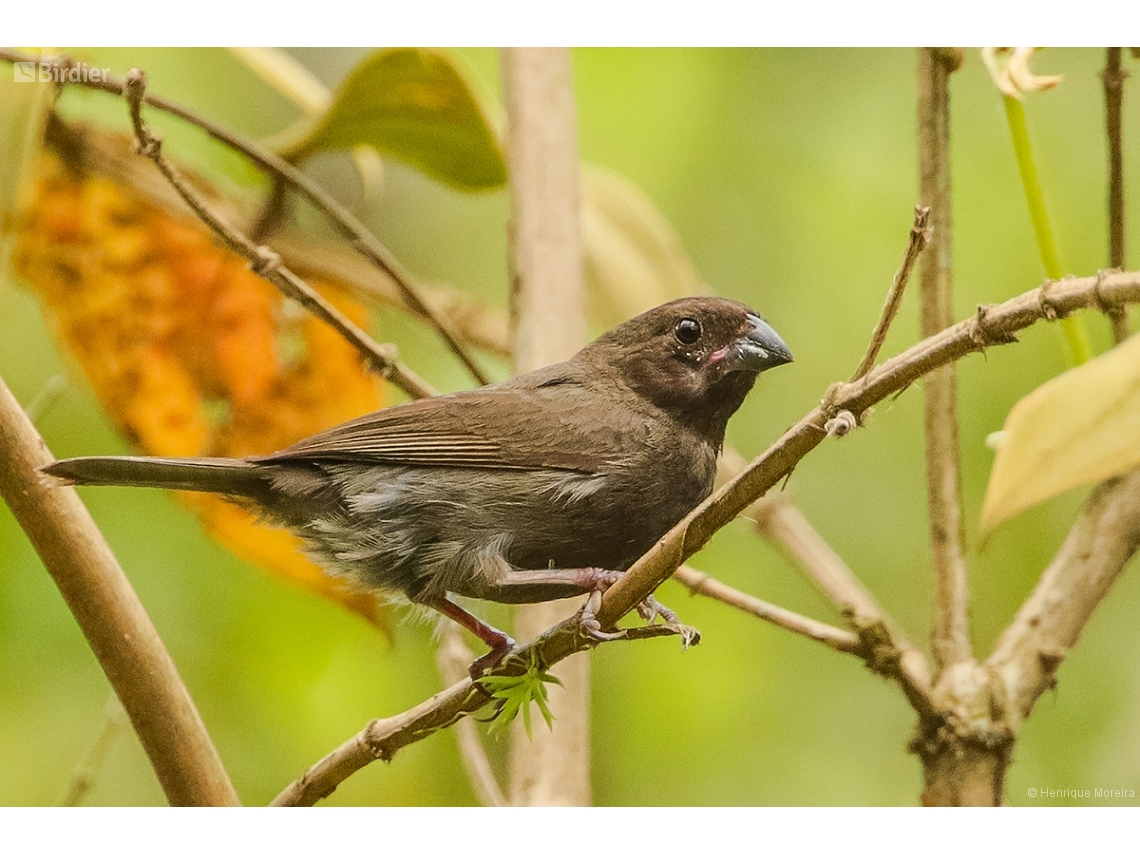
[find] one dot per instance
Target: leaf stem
(1075, 333)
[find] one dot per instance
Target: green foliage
(415, 104)
(515, 693)
(1075, 333)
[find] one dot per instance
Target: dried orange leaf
(188, 351)
(1079, 428)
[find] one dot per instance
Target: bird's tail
(223, 475)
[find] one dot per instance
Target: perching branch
(919, 237)
(992, 325)
(282, 171)
(264, 261)
(950, 632)
(111, 617)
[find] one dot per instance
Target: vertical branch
(1113, 77)
(548, 307)
(111, 617)
(950, 629)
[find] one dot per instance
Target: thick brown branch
(111, 617)
(548, 298)
(919, 237)
(1099, 545)
(992, 325)
(266, 263)
(949, 632)
(347, 225)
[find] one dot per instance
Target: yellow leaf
(1082, 427)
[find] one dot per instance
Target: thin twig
(346, 224)
(88, 769)
(264, 261)
(991, 326)
(950, 636)
(885, 646)
(46, 398)
(703, 584)
(1114, 76)
(109, 613)
(882, 643)
(93, 151)
(452, 659)
(919, 237)
(548, 299)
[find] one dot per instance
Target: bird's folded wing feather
(492, 428)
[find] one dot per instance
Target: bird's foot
(492, 657)
(650, 610)
(588, 618)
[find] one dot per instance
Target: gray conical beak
(760, 348)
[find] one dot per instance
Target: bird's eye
(688, 330)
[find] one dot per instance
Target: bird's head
(696, 358)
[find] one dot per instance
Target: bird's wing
(493, 428)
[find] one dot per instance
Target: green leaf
(414, 104)
(634, 258)
(516, 693)
(1081, 427)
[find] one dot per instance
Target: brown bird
(543, 487)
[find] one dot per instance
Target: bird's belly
(423, 530)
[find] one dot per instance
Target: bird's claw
(650, 609)
(491, 658)
(588, 620)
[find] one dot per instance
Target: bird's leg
(499, 642)
(512, 585)
(536, 586)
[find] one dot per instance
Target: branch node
(983, 335)
(951, 58)
(881, 654)
(827, 402)
(1051, 658)
(1044, 304)
(841, 424)
(266, 262)
(922, 230)
(1112, 310)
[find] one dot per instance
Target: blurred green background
(791, 177)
